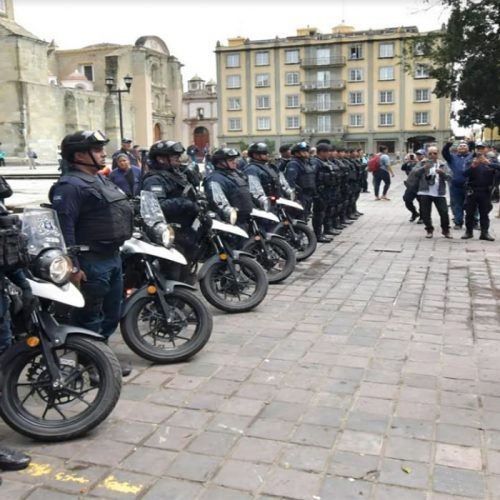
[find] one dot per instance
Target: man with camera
(480, 175)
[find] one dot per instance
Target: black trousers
(442, 207)
(478, 200)
(379, 176)
(409, 197)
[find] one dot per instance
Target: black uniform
(301, 175)
(325, 184)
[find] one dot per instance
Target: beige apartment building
(348, 86)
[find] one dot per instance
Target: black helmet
(323, 146)
(223, 154)
(257, 148)
(300, 146)
(166, 148)
(81, 141)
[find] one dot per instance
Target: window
(422, 95)
(232, 61)
(355, 51)
(2, 5)
(263, 102)
(356, 120)
(323, 56)
(262, 80)
(356, 75)
(234, 104)
(419, 49)
(324, 123)
(422, 118)
(355, 97)
(422, 71)
(386, 73)
(263, 123)
(233, 82)
(386, 120)
(234, 124)
(262, 58)
(87, 70)
(292, 78)
(323, 79)
(386, 50)
(323, 102)
(386, 97)
(292, 101)
(292, 122)
(291, 56)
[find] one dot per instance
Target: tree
(465, 59)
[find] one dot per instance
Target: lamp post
(110, 81)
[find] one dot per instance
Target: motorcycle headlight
(164, 234)
(230, 214)
(53, 265)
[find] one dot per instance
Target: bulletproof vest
(110, 219)
(307, 175)
(270, 181)
(175, 182)
(12, 244)
(325, 174)
(239, 197)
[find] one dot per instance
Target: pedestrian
(433, 176)
(93, 212)
(457, 162)
(3, 154)
(127, 177)
(412, 184)
(383, 174)
(126, 148)
(409, 162)
(32, 156)
(363, 158)
(480, 175)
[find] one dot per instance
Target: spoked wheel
(302, 239)
(278, 261)
(37, 406)
(170, 338)
(238, 292)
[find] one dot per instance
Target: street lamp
(110, 81)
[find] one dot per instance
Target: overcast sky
(191, 28)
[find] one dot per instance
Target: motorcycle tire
(280, 263)
(217, 286)
(187, 312)
(305, 240)
(86, 366)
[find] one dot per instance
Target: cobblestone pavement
(374, 372)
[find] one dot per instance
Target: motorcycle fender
(169, 287)
(207, 265)
(270, 236)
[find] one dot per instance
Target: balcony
(334, 129)
(313, 62)
(323, 85)
(327, 107)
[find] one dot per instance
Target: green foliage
(465, 59)
(271, 145)
(242, 145)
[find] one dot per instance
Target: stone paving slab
(372, 372)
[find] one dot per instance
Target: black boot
(13, 460)
(324, 239)
(486, 236)
(467, 236)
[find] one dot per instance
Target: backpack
(374, 163)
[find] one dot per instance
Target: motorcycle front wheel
(278, 261)
(56, 410)
(302, 239)
(235, 292)
(167, 338)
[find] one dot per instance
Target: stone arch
(157, 134)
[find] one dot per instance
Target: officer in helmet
(94, 213)
(301, 176)
(176, 194)
(227, 187)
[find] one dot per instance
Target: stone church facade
(47, 93)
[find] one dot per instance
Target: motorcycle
(270, 250)
(296, 232)
(162, 320)
(57, 381)
(230, 279)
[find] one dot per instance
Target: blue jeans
(5, 325)
(103, 294)
(457, 200)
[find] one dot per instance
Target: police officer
(284, 158)
(227, 187)
(324, 190)
(480, 175)
(11, 263)
(94, 213)
(301, 176)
